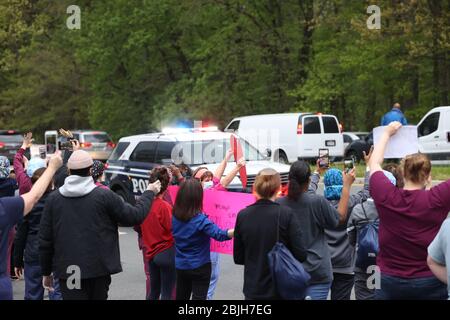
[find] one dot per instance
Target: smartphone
(65, 145)
(324, 158)
(349, 164)
(42, 152)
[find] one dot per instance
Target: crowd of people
(66, 217)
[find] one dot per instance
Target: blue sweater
(394, 115)
(192, 241)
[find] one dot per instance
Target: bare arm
(31, 198)
(349, 178)
(232, 174)
(377, 158)
(223, 165)
(438, 270)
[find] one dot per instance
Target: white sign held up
(403, 143)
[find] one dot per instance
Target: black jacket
(26, 242)
(254, 237)
(83, 231)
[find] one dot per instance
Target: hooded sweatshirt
(342, 252)
(79, 226)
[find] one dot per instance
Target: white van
(434, 134)
(291, 136)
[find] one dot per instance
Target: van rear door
(310, 136)
(332, 137)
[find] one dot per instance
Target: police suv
(129, 165)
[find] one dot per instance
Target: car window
(119, 150)
(234, 126)
(16, 138)
(212, 151)
(164, 152)
(429, 125)
(369, 138)
(144, 152)
(97, 138)
(311, 125)
(347, 138)
(330, 125)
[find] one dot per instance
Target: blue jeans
(215, 270)
(33, 284)
(396, 288)
(318, 291)
(6, 292)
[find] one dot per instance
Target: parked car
(291, 136)
(98, 143)
(434, 134)
(356, 148)
(10, 142)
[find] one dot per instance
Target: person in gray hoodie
(361, 215)
(78, 236)
(342, 252)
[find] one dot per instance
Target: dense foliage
(136, 64)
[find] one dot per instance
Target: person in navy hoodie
(26, 249)
(12, 210)
(8, 188)
(192, 231)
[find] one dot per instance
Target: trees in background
(135, 65)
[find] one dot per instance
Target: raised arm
(377, 158)
(223, 165)
(232, 174)
(23, 180)
(348, 179)
(37, 191)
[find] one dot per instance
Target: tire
(280, 157)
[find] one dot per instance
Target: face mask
(208, 185)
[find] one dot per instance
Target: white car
(291, 136)
(434, 134)
(133, 158)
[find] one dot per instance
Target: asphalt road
(130, 284)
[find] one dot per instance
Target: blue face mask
(208, 185)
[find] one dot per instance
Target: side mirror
(268, 153)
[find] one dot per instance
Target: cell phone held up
(324, 158)
(67, 145)
(349, 164)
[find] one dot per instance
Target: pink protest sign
(222, 208)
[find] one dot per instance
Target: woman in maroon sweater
(159, 242)
(410, 218)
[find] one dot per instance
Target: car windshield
(213, 151)
(97, 138)
(11, 138)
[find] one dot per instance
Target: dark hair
(396, 171)
(161, 174)
(416, 168)
(186, 168)
(85, 172)
(37, 174)
(267, 183)
(299, 175)
(189, 201)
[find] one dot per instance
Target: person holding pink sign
(192, 231)
(216, 182)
